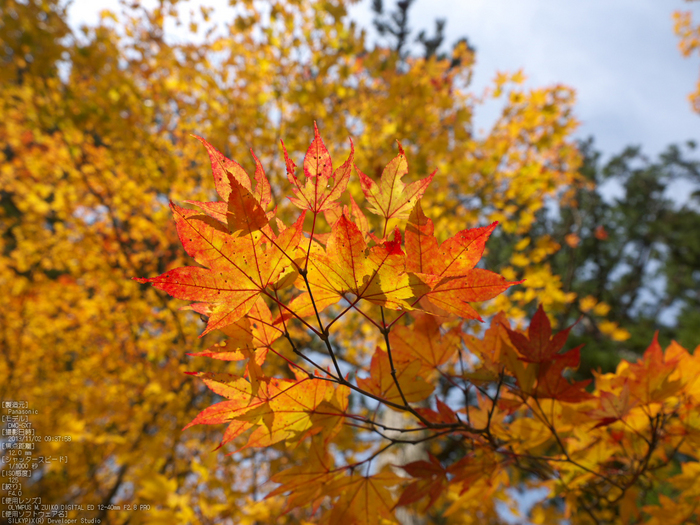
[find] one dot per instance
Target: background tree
(632, 259)
(394, 28)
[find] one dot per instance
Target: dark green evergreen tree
(639, 251)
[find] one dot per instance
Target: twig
(385, 332)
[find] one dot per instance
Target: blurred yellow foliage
(601, 309)
(587, 303)
(689, 35)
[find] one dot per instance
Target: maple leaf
(204, 238)
(364, 500)
(552, 384)
(443, 415)
(287, 412)
(306, 483)
(216, 210)
(328, 417)
(254, 333)
(539, 359)
(382, 384)
(454, 257)
(539, 346)
(525, 373)
(612, 407)
(321, 187)
(263, 333)
(488, 349)
(523, 434)
(453, 294)
(432, 479)
(226, 170)
(653, 373)
(688, 366)
(421, 243)
(244, 214)
(346, 266)
(231, 296)
(391, 198)
(263, 190)
(241, 268)
(250, 339)
(222, 168)
(238, 392)
(354, 213)
(446, 274)
(307, 304)
(227, 295)
(474, 466)
(424, 341)
(279, 409)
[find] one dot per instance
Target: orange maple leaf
(382, 384)
(364, 500)
(391, 198)
(346, 266)
(241, 268)
(321, 187)
(446, 274)
(306, 483)
(452, 258)
(613, 407)
(424, 341)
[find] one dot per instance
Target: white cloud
(621, 57)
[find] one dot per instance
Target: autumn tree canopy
(96, 130)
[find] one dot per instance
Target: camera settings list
(22, 463)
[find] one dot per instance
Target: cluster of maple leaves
(261, 280)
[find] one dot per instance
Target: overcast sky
(621, 56)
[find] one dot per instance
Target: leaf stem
(385, 332)
(553, 430)
(324, 335)
(306, 358)
(308, 250)
(281, 305)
